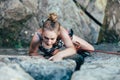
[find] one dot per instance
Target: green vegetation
(9, 37)
(107, 36)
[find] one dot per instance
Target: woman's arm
(34, 45)
(84, 45)
(69, 50)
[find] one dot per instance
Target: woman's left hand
(56, 57)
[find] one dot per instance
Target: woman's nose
(49, 41)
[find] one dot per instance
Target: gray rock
(13, 72)
(100, 66)
(42, 69)
(46, 70)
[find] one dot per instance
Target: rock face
(99, 67)
(15, 15)
(19, 19)
(34, 68)
(92, 20)
(13, 72)
(112, 21)
(17, 10)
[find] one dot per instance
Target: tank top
(59, 44)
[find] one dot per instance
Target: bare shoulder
(64, 34)
(66, 38)
(63, 31)
(37, 35)
(39, 30)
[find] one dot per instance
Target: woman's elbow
(74, 50)
(91, 48)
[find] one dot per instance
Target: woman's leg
(83, 45)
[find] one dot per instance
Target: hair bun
(53, 17)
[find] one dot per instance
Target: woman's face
(49, 37)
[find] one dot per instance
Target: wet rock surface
(98, 66)
(34, 68)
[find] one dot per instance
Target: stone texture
(84, 3)
(106, 68)
(13, 72)
(30, 68)
(26, 16)
(100, 66)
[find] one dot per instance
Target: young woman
(53, 36)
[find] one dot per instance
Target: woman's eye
(46, 38)
(52, 38)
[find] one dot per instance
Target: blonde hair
(52, 16)
(51, 23)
